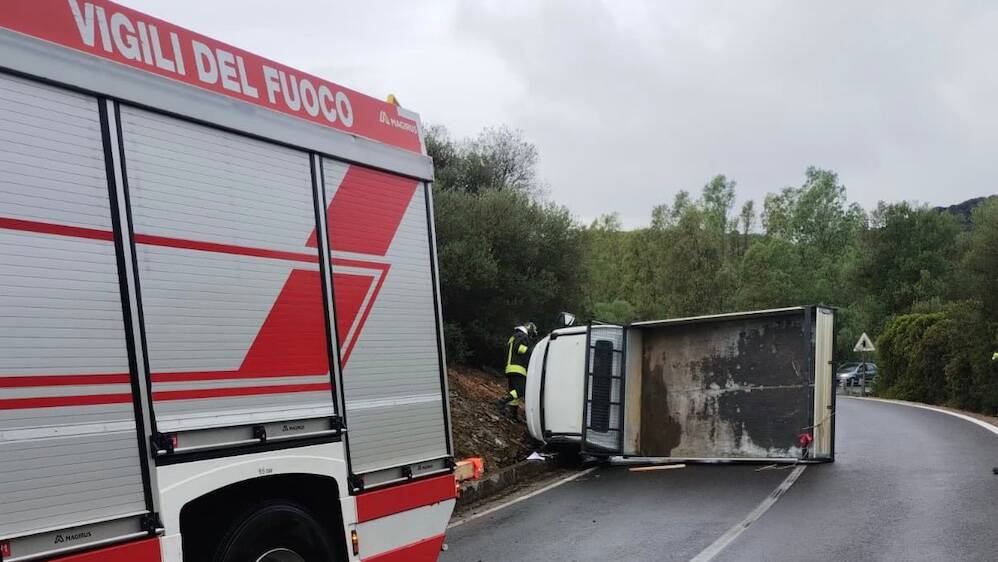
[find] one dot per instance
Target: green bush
(939, 358)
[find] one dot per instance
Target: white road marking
(551, 486)
(731, 534)
(656, 467)
(984, 424)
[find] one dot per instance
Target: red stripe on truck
(367, 210)
(57, 229)
(293, 336)
(349, 301)
(153, 240)
(59, 401)
(25, 381)
(103, 399)
(146, 550)
(381, 503)
(184, 244)
(426, 550)
(193, 376)
(291, 342)
(240, 391)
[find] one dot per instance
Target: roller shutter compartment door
(68, 445)
(386, 317)
(229, 275)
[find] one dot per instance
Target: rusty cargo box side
(731, 386)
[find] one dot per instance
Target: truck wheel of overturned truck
(276, 531)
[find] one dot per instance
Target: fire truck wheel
(276, 531)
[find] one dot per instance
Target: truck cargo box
(742, 386)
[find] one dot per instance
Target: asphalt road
(907, 484)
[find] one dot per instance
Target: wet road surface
(907, 484)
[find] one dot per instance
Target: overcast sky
(628, 102)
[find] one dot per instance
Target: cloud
(630, 104)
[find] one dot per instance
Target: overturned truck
(749, 386)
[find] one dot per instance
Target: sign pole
(862, 370)
(863, 346)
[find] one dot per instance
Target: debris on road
(469, 469)
(657, 467)
(478, 426)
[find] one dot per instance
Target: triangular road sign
(864, 344)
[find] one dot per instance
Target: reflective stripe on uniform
(512, 368)
(516, 370)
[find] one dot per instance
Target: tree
(746, 222)
(505, 258)
(616, 312)
(817, 215)
(498, 159)
(979, 267)
(770, 275)
(603, 262)
(718, 199)
(907, 256)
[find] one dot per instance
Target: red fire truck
(220, 333)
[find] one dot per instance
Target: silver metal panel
(31, 56)
(633, 345)
(739, 386)
(391, 379)
(824, 382)
(712, 317)
(204, 439)
(64, 541)
(607, 408)
(222, 224)
(68, 447)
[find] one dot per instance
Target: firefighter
(517, 356)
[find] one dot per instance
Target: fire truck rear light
(355, 542)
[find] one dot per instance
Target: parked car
(850, 374)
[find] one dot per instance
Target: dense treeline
(922, 281)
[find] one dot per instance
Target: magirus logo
(60, 538)
(386, 119)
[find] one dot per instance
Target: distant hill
(963, 210)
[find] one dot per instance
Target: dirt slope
(479, 427)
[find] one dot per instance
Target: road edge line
(734, 532)
(494, 509)
(990, 427)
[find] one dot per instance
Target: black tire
(285, 530)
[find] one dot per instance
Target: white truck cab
(742, 386)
